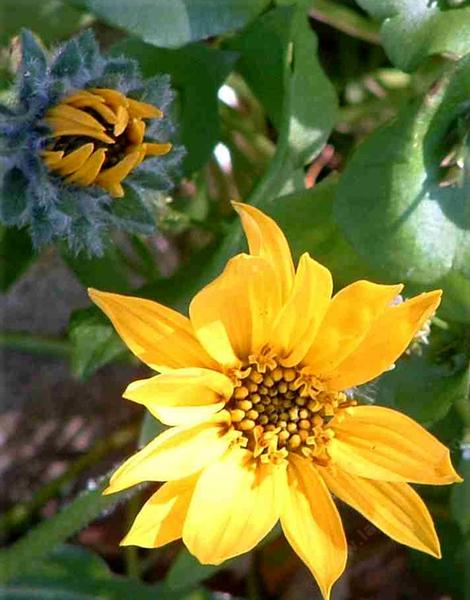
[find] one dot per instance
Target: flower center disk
(280, 410)
(98, 138)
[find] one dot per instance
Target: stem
(20, 514)
(36, 344)
(346, 20)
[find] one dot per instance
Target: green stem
(346, 20)
(20, 514)
(36, 344)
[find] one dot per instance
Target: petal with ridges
(394, 507)
(387, 339)
(236, 502)
(266, 239)
(159, 336)
(349, 317)
(183, 395)
(161, 519)
(233, 315)
(174, 454)
(299, 319)
(186, 415)
(381, 443)
(88, 172)
(74, 160)
(312, 525)
(75, 115)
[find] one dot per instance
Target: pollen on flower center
(98, 138)
(280, 410)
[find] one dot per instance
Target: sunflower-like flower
(79, 127)
(258, 386)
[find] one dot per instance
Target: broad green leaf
(197, 72)
(107, 272)
(52, 20)
(186, 571)
(414, 29)
(307, 219)
(460, 495)
(173, 23)
(16, 254)
(448, 574)
(73, 573)
(278, 59)
(419, 387)
(392, 206)
(21, 557)
(94, 342)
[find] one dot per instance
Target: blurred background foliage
(349, 123)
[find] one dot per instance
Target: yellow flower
(258, 386)
(99, 138)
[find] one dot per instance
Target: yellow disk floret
(99, 138)
(280, 410)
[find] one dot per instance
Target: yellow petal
(266, 239)
(157, 149)
(312, 525)
(386, 340)
(75, 115)
(81, 96)
(63, 127)
(393, 507)
(183, 395)
(299, 319)
(122, 119)
(174, 454)
(74, 160)
(136, 131)
(159, 336)
(112, 97)
(187, 415)
(120, 171)
(233, 315)
(161, 519)
(87, 173)
(236, 502)
(349, 317)
(380, 443)
(52, 157)
(143, 110)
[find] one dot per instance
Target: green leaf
(94, 342)
(414, 29)
(460, 495)
(21, 557)
(16, 254)
(13, 198)
(419, 387)
(197, 72)
(133, 213)
(392, 206)
(186, 571)
(279, 62)
(173, 23)
(307, 219)
(73, 573)
(107, 272)
(51, 19)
